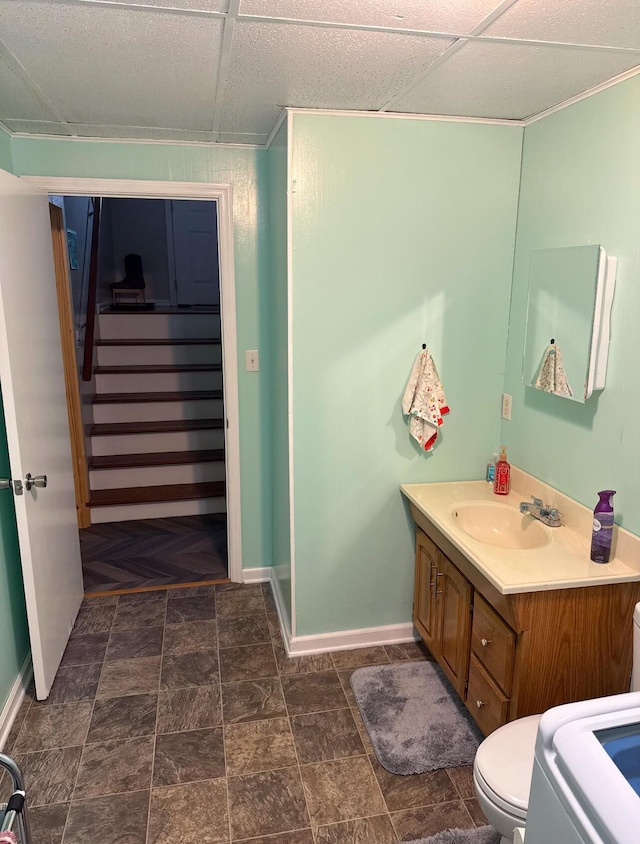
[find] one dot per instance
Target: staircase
(157, 444)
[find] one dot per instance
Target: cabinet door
(453, 592)
(425, 608)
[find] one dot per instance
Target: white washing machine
(586, 774)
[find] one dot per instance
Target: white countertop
(562, 563)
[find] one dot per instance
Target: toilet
(503, 765)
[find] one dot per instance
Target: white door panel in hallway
(33, 389)
(195, 252)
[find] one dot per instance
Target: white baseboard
(282, 615)
(257, 575)
(341, 640)
(14, 701)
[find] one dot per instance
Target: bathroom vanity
(520, 629)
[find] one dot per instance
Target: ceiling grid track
(26, 77)
(457, 45)
(225, 60)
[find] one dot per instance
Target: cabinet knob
(485, 642)
(480, 704)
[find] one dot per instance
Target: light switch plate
(253, 360)
(506, 406)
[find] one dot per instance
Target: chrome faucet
(547, 515)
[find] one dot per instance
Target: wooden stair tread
(162, 427)
(162, 341)
(154, 368)
(158, 458)
(153, 494)
(134, 398)
(179, 309)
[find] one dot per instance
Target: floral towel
(424, 401)
(552, 377)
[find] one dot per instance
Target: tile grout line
(93, 704)
(222, 723)
(295, 749)
(155, 731)
(373, 773)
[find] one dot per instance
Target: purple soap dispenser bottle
(602, 527)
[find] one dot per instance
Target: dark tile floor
(178, 717)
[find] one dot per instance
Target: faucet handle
(555, 514)
(537, 502)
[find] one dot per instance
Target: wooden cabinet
(513, 655)
(442, 611)
(424, 605)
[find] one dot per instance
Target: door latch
(17, 487)
(39, 481)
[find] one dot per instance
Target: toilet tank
(635, 671)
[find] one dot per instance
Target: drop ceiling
(220, 71)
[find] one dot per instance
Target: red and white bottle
(503, 473)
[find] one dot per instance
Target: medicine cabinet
(568, 320)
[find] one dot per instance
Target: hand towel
(552, 377)
(424, 401)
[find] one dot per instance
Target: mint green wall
(5, 152)
(581, 184)
(246, 171)
(14, 636)
(403, 232)
(277, 158)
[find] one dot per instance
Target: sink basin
(499, 524)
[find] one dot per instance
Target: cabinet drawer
(485, 701)
(493, 642)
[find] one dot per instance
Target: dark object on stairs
(133, 277)
(128, 294)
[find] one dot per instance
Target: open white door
(195, 252)
(33, 390)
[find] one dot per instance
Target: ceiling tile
(493, 79)
(614, 23)
(17, 99)
(287, 64)
(38, 127)
(192, 5)
(444, 16)
(118, 65)
(184, 5)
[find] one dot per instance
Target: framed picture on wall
(72, 248)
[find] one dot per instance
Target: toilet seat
(504, 765)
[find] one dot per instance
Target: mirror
(567, 321)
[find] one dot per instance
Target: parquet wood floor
(154, 552)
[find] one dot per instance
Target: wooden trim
(166, 586)
(92, 294)
(72, 388)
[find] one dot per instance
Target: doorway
(124, 555)
(144, 285)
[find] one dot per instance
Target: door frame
(223, 194)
